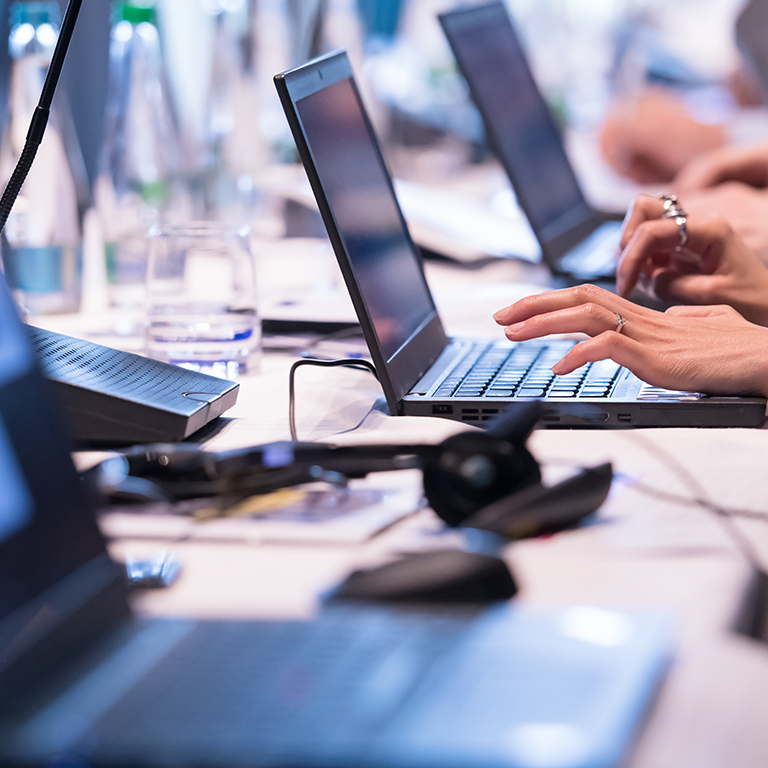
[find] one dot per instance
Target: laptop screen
(357, 187)
(47, 526)
(516, 117)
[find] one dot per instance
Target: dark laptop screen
(516, 117)
(47, 526)
(357, 187)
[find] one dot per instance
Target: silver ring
(620, 323)
(682, 227)
(672, 207)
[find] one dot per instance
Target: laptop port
(550, 416)
(490, 410)
(470, 410)
(442, 409)
(625, 417)
(470, 418)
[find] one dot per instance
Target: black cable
(701, 499)
(347, 362)
(40, 117)
(690, 501)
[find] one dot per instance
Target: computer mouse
(440, 576)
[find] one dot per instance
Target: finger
(551, 301)
(642, 209)
(712, 310)
(610, 345)
(637, 357)
(589, 318)
(650, 237)
(674, 286)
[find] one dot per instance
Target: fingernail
(514, 328)
(498, 316)
(558, 368)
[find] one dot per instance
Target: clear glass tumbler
(202, 310)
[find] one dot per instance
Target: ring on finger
(682, 228)
(620, 323)
(672, 207)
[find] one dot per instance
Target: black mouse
(441, 576)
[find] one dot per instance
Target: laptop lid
(380, 263)
(520, 127)
(57, 584)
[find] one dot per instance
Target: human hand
(747, 164)
(744, 207)
(651, 137)
(714, 267)
(694, 349)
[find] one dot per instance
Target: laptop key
(531, 392)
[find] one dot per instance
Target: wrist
(758, 381)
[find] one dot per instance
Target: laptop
(577, 241)
(83, 682)
(421, 370)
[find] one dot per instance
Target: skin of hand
(746, 164)
(694, 349)
(714, 267)
(744, 207)
(650, 138)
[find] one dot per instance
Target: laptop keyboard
(271, 688)
(525, 370)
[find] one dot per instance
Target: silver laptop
(422, 371)
(83, 682)
(576, 240)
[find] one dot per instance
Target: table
(649, 547)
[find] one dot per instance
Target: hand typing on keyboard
(708, 349)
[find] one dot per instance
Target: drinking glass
(201, 310)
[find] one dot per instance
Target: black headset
(476, 479)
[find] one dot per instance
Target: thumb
(700, 311)
(682, 288)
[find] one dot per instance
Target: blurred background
(577, 48)
(213, 132)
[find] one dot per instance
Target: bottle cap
(136, 11)
(35, 13)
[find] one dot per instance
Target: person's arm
(745, 164)
(713, 267)
(697, 349)
(651, 137)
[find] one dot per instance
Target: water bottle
(42, 239)
(234, 151)
(138, 184)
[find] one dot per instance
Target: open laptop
(576, 240)
(82, 682)
(422, 371)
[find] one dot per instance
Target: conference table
(684, 506)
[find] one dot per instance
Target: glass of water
(202, 310)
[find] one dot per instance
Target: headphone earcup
(472, 470)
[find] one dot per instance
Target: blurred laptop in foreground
(84, 682)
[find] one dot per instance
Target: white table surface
(642, 551)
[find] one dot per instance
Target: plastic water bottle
(138, 184)
(42, 239)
